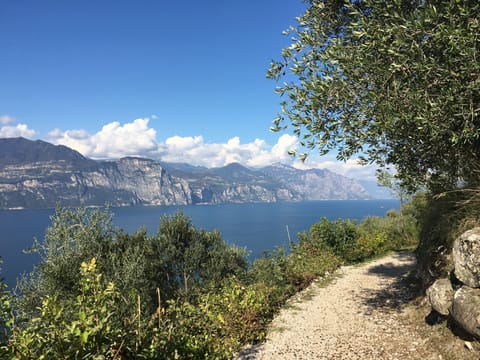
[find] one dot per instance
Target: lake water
(258, 227)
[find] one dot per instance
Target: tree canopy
(395, 83)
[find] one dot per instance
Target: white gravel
(357, 316)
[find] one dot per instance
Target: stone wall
(461, 300)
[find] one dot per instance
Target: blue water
(258, 227)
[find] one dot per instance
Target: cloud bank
(195, 151)
(138, 138)
(112, 141)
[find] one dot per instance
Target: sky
(177, 81)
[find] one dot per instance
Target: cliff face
(236, 183)
(128, 181)
(39, 175)
(316, 184)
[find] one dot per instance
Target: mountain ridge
(37, 174)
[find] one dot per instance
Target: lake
(258, 227)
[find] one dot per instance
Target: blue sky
(172, 80)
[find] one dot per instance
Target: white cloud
(9, 131)
(284, 144)
(18, 130)
(112, 141)
(137, 138)
(179, 143)
(6, 119)
(195, 151)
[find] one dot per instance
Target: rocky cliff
(36, 174)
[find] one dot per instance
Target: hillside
(36, 174)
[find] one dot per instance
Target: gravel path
(357, 316)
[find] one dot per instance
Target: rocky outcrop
(128, 181)
(462, 304)
(466, 309)
(466, 257)
(440, 295)
(148, 182)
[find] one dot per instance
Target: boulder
(466, 257)
(466, 309)
(440, 295)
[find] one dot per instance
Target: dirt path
(357, 316)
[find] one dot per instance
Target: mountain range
(37, 174)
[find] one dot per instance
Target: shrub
(5, 315)
(308, 261)
(181, 293)
(222, 319)
(85, 328)
(179, 259)
(272, 270)
(338, 236)
(192, 257)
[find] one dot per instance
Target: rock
(468, 345)
(440, 294)
(466, 257)
(466, 309)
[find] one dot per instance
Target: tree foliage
(5, 311)
(394, 82)
(194, 257)
(178, 259)
(179, 293)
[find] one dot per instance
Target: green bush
(192, 257)
(372, 239)
(338, 235)
(86, 328)
(351, 242)
(304, 269)
(179, 259)
(272, 270)
(181, 293)
(5, 314)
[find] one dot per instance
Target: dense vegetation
(395, 83)
(180, 293)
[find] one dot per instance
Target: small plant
(85, 329)
(5, 316)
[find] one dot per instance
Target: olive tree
(394, 83)
(194, 257)
(175, 261)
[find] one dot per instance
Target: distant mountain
(36, 174)
(316, 184)
(19, 151)
(377, 192)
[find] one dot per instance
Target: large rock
(466, 257)
(466, 309)
(440, 295)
